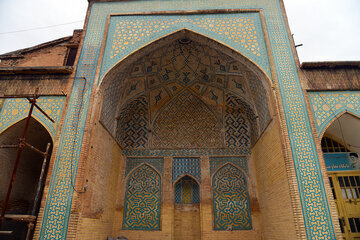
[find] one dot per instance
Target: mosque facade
(178, 120)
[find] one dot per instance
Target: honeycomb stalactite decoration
(231, 200)
(143, 200)
(186, 122)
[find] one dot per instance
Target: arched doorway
(341, 149)
(187, 209)
(26, 194)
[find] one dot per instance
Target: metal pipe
(32, 95)
(9, 146)
(30, 228)
(42, 111)
(40, 183)
(21, 147)
(34, 148)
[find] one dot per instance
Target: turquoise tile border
(318, 223)
(15, 109)
(327, 105)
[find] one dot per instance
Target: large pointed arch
(135, 76)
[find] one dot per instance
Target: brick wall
(273, 189)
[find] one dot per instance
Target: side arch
(40, 121)
(335, 118)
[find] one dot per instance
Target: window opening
(329, 145)
(187, 191)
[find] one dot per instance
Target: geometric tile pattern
(143, 200)
(315, 207)
(328, 105)
(126, 33)
(186, 165)
(240, 124)
(16, 109)
(157, 163)
(186, 122)
(216, 162)
(163, 74)
(186, 152)
(132, 126)
(231, 200)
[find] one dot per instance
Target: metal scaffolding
(30, 219)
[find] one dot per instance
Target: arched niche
(187, 209)
(22, 197)
(221, 92)
(231, 199)
(142, 207)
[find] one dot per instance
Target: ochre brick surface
(273, 189)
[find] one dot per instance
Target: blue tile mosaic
(231, 200)
(186, 166)
(142, 207)
(329, 105)
(131, 163)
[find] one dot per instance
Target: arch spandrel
(247, 34)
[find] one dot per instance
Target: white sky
(328, 29)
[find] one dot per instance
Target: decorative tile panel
(143, 200)
(131, 163)
(240, 125)
(133, 124)
(16, 109)
(216, 162)
(186, 152)
(186, 165)
(328, 105)
(129, 33)
(231, 200)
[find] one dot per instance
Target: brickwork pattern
(186, 122)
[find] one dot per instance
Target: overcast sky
(328, 29)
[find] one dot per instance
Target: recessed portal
(187, 209)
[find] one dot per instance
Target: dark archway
(25, 188)
(187, 209)
(341, 149)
